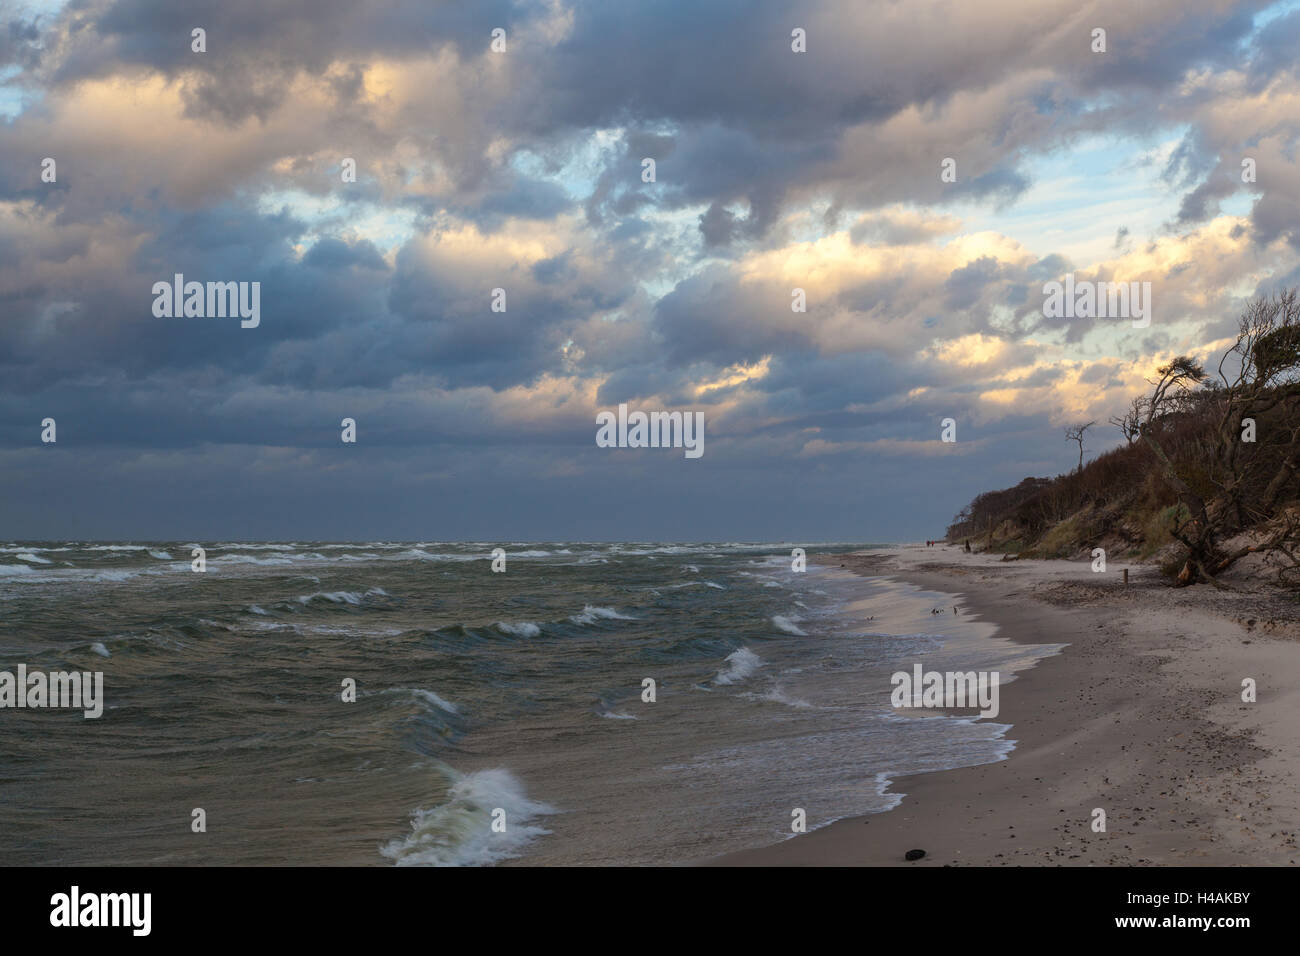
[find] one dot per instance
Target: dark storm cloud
(756, 120)
(711, 317)
(19, 43)
(526, 199)
(753, 121)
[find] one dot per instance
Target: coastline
(1140, 715)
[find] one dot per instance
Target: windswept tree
(1074, 433)
(1242, 472)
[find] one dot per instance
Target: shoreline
(1140, 715)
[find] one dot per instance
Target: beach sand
(1141, 715)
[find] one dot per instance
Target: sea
(407, 703)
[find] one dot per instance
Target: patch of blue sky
(387, 227)
(1080, 196)
(678, 230)
(1239, 204)
(1275, 12)
(26, 9)
(13, 98)
(577, 165)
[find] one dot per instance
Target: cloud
(521, 170)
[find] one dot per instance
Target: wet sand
(1141, 716)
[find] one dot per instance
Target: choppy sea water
(477, 692)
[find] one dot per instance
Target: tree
(1075, 433)
(1228, 482)
(1130, 423)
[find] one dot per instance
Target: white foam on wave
(778, 696)
(518, 628)
(223, 559)
(341, 597)
(241, 546)
(28, 556)
(114, 575)
(334, 597)
(668, 549)
(591, 614)
(160, 555)
(741, 664)
(272, 626)
(787, 624)
(100, 649)
(429, 697)
(424, 696)
(415, 554)
(459, 831)
(43, 575)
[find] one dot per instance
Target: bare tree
(1230, 482)
(1130, 423)
(1075, 433)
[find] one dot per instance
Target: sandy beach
(1141, 715)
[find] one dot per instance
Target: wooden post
(1126, 577)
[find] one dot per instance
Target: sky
(522, 168)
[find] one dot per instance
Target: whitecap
(518, 628)
(591, 614)
(459, 831)
(742, 664)
(335, 597)
(783, 623)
